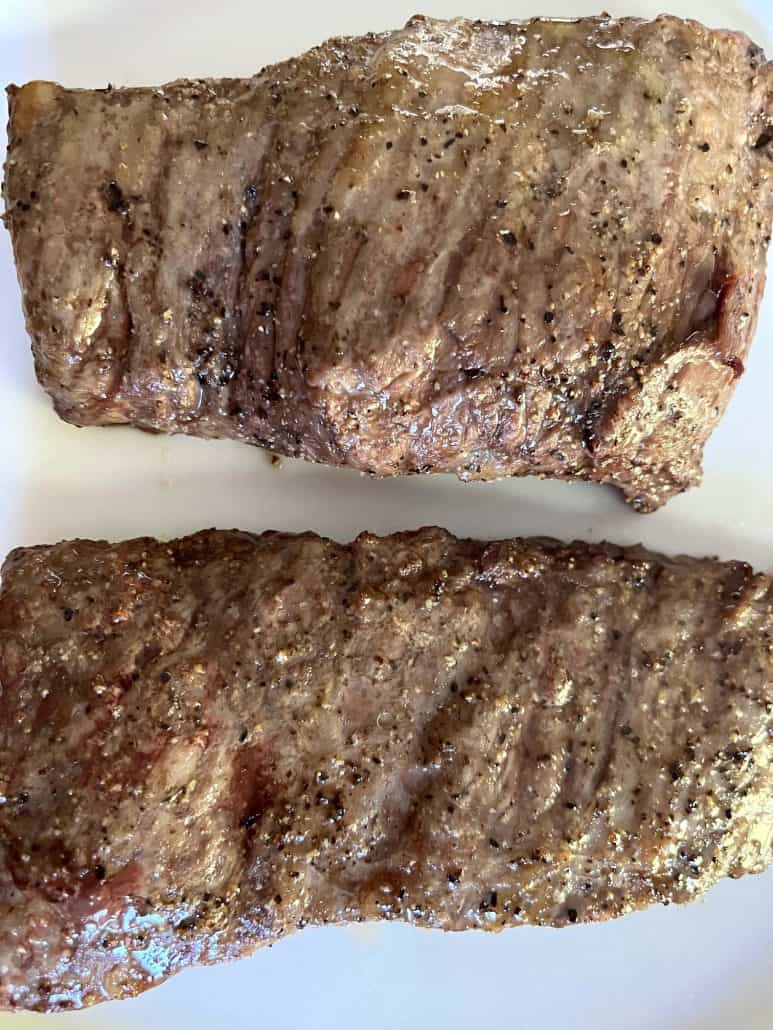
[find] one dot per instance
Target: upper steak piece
(207, 744)
(489, 248)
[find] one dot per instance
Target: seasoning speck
(115, 199)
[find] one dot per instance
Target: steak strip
(208, 744)
(495, 249)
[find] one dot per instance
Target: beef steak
(210, 743)
(494, 249)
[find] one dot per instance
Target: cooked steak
(207, 744)
(489, 248)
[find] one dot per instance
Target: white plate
(706, 966)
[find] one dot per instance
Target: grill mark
(529, 719)
(253, 197)
(158, 205)
(235, 353)
(454, 269)
(249, 353)
(347, 155)
(252, 202)
(301, 270)
(277, 349)
(124, 354)
(253, 789)
(406, 834)
(465, 242)
(361, 238)
(157, 218)
(408, 145)
(603, 768)
(121, 357)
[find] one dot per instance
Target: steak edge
(210, 743)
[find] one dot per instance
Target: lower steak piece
(208, 744)
(488, 248)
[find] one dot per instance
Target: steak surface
(494, 249)
(208, 744)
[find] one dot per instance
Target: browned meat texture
(208, 744)
(489, 248)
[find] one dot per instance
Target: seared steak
(207, 744)
(489, 248)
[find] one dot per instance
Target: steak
(211, 743)
(494, 249)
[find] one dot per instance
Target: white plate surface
(706, 966)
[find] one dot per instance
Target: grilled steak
(489, 248)
(207, 744)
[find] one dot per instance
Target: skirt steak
(494, 249)
(211, 743)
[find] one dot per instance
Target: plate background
(704, 967)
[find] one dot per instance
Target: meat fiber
(495, 249)
(208, 744)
